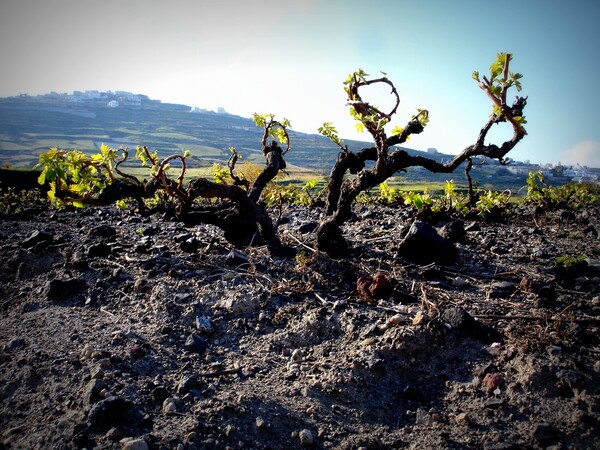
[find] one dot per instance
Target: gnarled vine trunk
(342, 192)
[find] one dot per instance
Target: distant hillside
(31, 125)
(85, 120)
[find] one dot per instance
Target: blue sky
(290, 57)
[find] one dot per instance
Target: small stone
(97, 374)
(296, 355)
(458, 319)
(113, 434)
(293, 372)
(150, 231)
(105, 231)
(109, 412)
(134, 444)
(99, 250)
(423, 417)
(136, 351)
(190, 245)
(15, 343)
(545, 434)
(396, 319)
(423, 245)
(169, 406)
(37, 237)
(540, 253)
(237, 258)
(454, 230)
(308, 227)
(104, 363)
(239, 304)
(58, 289)
(195, 344)
(306, 438)
(462, 419)
(188, 383)
(141, 285)
(181, 237)
(203, 324)
(460, 282)
(260, 422)
(105, 393)
(375, 287)
(92, 391)
(87, 352)
(500, 289)
(492, 381)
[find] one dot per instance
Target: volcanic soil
(121, 331)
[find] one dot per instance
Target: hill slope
(31, 125)
(84, 121)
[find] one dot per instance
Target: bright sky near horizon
(290, 57)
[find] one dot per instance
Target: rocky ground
(125, 332)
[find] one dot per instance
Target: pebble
(169, 406)
(203, 324)
(425, 417)
(306, 438)
(296, 355)
(15, 343)
(195, 344)
(97, 374)
(105, 231)
(237, 258)
(462, 418)
(500, 289)
(86, 352)
(93, 389)
(100, 250)
(104, 363)
(293, 371)
(492, 382)
(109, 412)
(61, 289)
(37, 237)
(190, 245)
(134, 444)
(105, 393)
(396, 319)
(136, 351)
(260, 422)
(460, 282)
(113, 434)
(141, 285)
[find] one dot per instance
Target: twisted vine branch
(342, 193)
